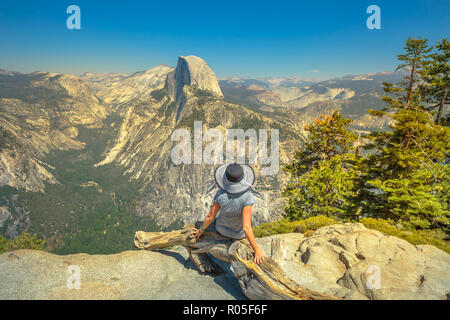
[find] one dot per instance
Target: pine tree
(328, 137)
(321, 174)
(413, 61)
(405, 177)
(436, 77)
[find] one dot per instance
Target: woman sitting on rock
(235, 201)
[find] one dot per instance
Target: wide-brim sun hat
(237, 179)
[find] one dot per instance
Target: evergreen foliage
(436, 79)
(23, 241)
(404, 175)
(321, 174)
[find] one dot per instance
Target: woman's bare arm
(247, 226)
(208, 219)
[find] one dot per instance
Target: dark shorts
(212, 228)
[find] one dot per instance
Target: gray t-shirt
(229, 220)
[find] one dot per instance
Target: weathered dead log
(161, 240)
(264, 281)
(204, 263)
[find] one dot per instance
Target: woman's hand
(259, 257)
(197, 233)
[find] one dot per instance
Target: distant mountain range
(85, 161)
(298, 93)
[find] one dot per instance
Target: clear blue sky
(243, 38)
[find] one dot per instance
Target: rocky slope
(117, 90)
(28, 274)
(347, 261)
(143, 146)
(353, 95)
(57, 129)
(40, 112)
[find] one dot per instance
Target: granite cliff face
(191, 71)
(40, 112)
(143, 146)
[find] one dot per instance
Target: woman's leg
(204, 261)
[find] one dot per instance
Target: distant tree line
(23, 241)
